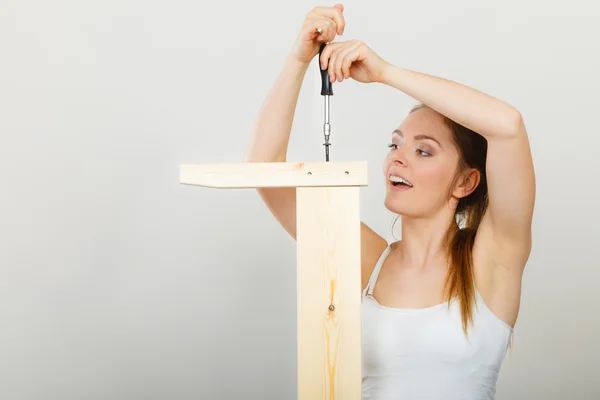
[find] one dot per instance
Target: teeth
(395, 178)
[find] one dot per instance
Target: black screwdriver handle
(326, 85)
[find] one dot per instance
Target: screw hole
(347, 173)
(331, 307)
(309, 173)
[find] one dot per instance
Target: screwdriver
(326, 91)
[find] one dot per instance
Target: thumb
(340, 7)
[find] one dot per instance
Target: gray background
(118, 282)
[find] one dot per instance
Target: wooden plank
(329, 288)
(275, 174)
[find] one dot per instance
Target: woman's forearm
(271, 133)
(469, 107)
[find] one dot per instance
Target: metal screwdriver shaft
(326, 91)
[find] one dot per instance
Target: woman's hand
(331, 22)
(352, 59)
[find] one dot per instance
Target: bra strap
(375, 273)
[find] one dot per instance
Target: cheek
(433, 175)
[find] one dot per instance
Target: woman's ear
(467, 183)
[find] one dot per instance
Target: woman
(439, 306)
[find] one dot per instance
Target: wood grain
(329, 308)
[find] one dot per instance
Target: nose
(395, 159)
(398, 156)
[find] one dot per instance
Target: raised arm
(509, 168)
(271, 133)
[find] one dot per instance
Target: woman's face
(429, 164)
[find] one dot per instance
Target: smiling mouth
(398, 181)
(399, 187)
(402, 184)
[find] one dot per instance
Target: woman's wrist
(293, 62)
(388, 71)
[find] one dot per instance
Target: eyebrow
(417, 137)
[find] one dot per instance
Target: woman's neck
(423, 239)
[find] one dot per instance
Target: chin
(404, 203)
(396, 205)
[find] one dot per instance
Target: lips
(397, 179)
(398, 187)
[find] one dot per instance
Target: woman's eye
(419, 151)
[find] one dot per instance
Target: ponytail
(459, 240)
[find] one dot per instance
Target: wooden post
(328, 264)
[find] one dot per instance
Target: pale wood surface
(328, 256)
(275, 174)
(329, 342)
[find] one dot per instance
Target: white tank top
(423, 353)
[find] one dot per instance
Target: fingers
(333, 60)
(346, 57)
(338, 57)
(327, 26)
(327, 53)
(334, 14)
